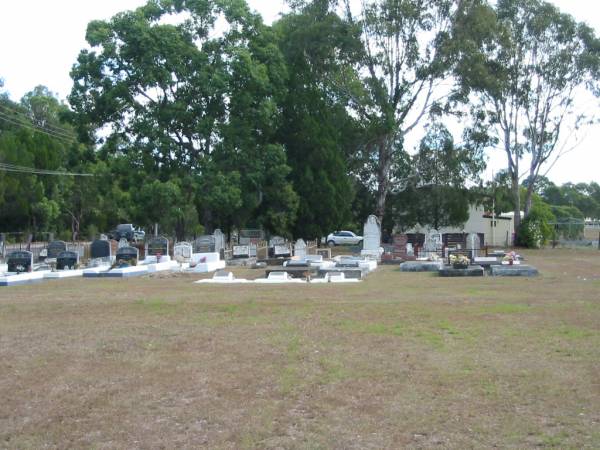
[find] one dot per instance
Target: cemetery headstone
(67, 260)
(128, 255)
(55, 248)
(219, 238)
(100, 249)
(282, 251)
(123, 243)
(157, 246)
(433, 242)
(182, 252)
(473, 244)
(372, 237)
(204, 244)
(241, 251)
(300, 249)
(19, 262)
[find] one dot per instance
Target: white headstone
(300, 249)
(241, 251)
(372, 238)
(182, 252)
(473, 244)
(123, 243)
(219, 240)
(410, 251)
(433, 241)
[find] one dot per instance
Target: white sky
(40, 41)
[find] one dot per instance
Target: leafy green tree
(533, 63)
(188, 98)
(316, 128)
(443, 170)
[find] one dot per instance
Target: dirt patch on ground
(398, 361)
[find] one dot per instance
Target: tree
(183, 99)
(317, 129)
(443, 170)
(528, 73)
(397, 79)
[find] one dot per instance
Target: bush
(535, 230)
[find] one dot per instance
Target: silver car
(343, 238)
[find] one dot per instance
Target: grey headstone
(241, 251)
(205, 244)
(219, 240)
(300, 248)
(55, 248)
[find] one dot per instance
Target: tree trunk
(383, 174)
(515, 187)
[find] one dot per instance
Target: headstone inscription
(241, 251)
(19, 262)
(300, 249)
(205, 244)
(55, 248)
(182, 252)
(158, 245)
(282, 251)
(100, 249)
(127, 255)
(67, 261)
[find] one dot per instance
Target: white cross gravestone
(372, 238)
(300, 249)
(182, 252)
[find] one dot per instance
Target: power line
(27, 120)
(32, 127)
(33, 171)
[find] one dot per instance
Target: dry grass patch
(399, 361)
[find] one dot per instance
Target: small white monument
(182, 252)
(300, 249)
(372, 238)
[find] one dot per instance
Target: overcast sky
(40, 41)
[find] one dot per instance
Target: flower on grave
(459, 260)
(510, 256)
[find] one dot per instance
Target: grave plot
(157, 255)
(222, 277)
(20, 269)
(421, 266)
(243, 255)
(101, 259)
(469, 271)
(279, 277)
(126, 264)
(67, 266)
(514, 270)
(208, 253)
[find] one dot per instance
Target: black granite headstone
(127, 254)
(204, 244)
(67, 260)
(19, 262)
(100, 249)
(158, 246)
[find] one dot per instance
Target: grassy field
(399, 361)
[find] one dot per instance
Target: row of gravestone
(22, 261)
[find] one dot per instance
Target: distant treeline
(196, 115)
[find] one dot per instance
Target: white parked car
(343, 238)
